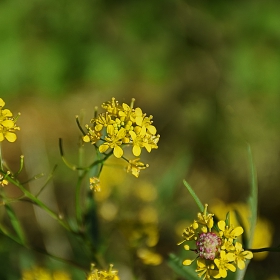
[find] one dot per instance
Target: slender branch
(38, 202)
(79, 125)
(265, 249)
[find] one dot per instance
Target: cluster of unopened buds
(120, 126)
(216, 246)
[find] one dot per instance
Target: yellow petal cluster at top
(120, 126)
(103, 274)
(217, 247)
(7, 124)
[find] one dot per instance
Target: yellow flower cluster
(103, 274)
(7, 124)
(218, 250)
(123, 125)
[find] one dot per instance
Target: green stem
(39, 203)
(42, 251)
(79, 184)
(266, 249)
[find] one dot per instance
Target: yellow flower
(135, 166)
(229, 231)
(112, 107)
(241, 255)
(3, 181)
(113, 141)
(263, 230)
(96, 274)
(7, 124)
(120, 126)
(205, 271)
(216, 246)
(148, 257)
(39, 273)
(94, 183)
(103, 120)
(224, 263)
(92, 136)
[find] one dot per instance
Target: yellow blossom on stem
(224, 263)
(229, 231)
(7, 124)
(113, 141)
(3, 181)
(241, 256)
(120, 126)
(216, 246)
(204, 270)
(94, 183)
(96, 274)
(135, 166)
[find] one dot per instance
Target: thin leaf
(253, 198)
(195, 197)
(185, 271)
(15, 223)
(253, 205)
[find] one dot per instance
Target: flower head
(119, 126)
(94, 184)
(7, 124)
(135, 166)
(96, 274)
(216, 246)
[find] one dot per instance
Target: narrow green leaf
(15, 223)
(187, 272)
(253, 206)
(195, 197)
(227, 220)
(253, 198)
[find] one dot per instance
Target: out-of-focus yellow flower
(146, 191)
(94, 184)
(7, 124)
(96, 274)
(3, 181)
(149, 257)
(263, 230)
(108, 210)
(148, 215)
(39, 273)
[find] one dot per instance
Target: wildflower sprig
(8, 125)
(217, 247)
(120, 126)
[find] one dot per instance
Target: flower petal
(136, 150)
(10, 136)
(103, 148)
(118, 151)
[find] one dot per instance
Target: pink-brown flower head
(208, 245)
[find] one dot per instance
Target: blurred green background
(208, 71)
